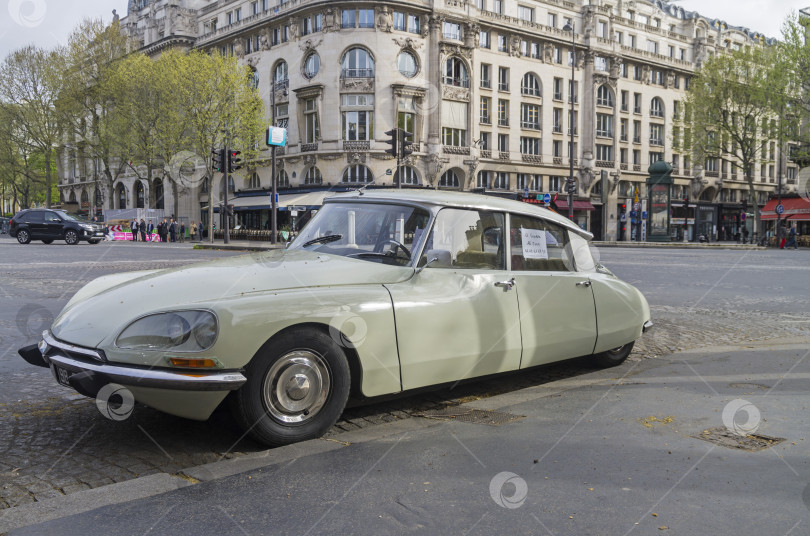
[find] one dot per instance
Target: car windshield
(384, 233)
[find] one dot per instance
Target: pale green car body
(402, 327)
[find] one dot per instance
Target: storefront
(796, 210)
(730, 222)
(706, 221)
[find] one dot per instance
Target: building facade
(485, 87)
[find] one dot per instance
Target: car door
(53, 225)
(35, 220)
(557, 316)
(458, 317)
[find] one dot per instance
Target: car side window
(51, 217)
(538, 245)
(34, 217)
(466, 239)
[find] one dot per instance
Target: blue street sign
(624, 216)
(539, 197)
(525, 192)
(276, 136)
(644, 214)
(547, 199)
(633, 214)
(780, 209)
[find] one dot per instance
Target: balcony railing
(308, 147)
(455, 149)
(503, 155)
(485, 119)
(623, 137)
(503, 86)
(604, 133)
(532, 158)
(656, 113)
(623, 167)
(636, 139)
(458, 82)
(357, 73)
(486, 83)
(605, 163)
(656, 141)
(637, 109)
(486, 153)
(503, 121)
(558, 96)
(558, 160)
(557, 129)
(353, 146)
(712, 173)
(530, 125)
(636, 167)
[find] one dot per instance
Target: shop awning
(309, 200)
(562, 204)
(796, 209)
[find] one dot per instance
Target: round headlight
(171, 331)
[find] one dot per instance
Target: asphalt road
(54, 442)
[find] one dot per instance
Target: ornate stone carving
(472, 34)
(548, 53)
(514, 46)
(239, 48)
(331, 20)
(357, 85)
(472, 165)
(645, 74)
(330, 156)
(670, 81)
(448, 49)
(435, 163)
(381, 156)
(310, 44)
(356, 158)
(385, 21)
(425, 20)
(615, 66)
(253, 61)
(456, 93)
(264, 38)
(310, 160)
(407, 42)
(293, 25)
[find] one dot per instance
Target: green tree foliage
(733, 108)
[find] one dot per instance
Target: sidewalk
(644, 448)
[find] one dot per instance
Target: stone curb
(675, 245)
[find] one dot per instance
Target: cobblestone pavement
(55, 442)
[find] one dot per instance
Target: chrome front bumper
(186, 380)
(647, 326)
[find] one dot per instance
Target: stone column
(434, 68)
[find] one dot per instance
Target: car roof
(447, 198)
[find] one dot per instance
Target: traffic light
(393, 142)
(686, 202)
(571, 188)
(234, 162)
(745, 205)
(405, 139)
(218, 160)
(229, 210)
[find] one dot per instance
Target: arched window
(254, 183)
(449, 179)
(455, 72)
(357, 173)
(121, 194)
(72, 196)
(531, 85)
(159, 194)
(357, 63)
(409, 175)
(313, 176)
(484, 180)
(140, 202)
(604, 96)
(231, 186)
(85, 198)
(280, 73)
(656, 107)
(283, 180)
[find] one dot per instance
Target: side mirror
(440, 258)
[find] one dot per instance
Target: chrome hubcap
(296, 386)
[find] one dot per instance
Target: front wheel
(297, 388)
(611, 358)
(71, 237)
(23, 236)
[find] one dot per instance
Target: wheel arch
(352, 356)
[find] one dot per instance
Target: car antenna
(360, 190)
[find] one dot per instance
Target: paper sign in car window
(534, 244)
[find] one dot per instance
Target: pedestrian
(745, 235)
(133, 227)
(142, 229)
(150, 228)
(792, 238)
(182, 232)
(173, 230)
(193, 231)
(200, 228)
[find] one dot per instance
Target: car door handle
(585, 283)
(506, 284)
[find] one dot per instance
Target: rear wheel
(48, 241)
(71, 237)
(297, 388)
(611, 358)
(23, 236)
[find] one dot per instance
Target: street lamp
(277, 85)
(569, 27)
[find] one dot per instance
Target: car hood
(108, 304)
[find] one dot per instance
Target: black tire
(611, 358)
(23, 236)
(315, 372)
(71, 237)
(48, 241)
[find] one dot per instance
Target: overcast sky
(48, 22)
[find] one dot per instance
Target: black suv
(49, 225)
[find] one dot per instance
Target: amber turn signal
(193, 363)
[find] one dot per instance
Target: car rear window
(34, 217)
